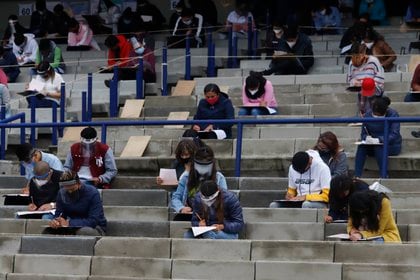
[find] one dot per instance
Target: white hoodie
(27, 54)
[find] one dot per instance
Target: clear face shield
(69, 191)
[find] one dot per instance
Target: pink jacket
(84, 37)
(267, 96)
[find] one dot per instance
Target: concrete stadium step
(44, 276)
(284, 231)
(56, 264)
(135, 198)
(137, 213)
(58, 245)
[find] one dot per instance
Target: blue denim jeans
(253, 111)
(212, 235)
(371, 150)
(410, 97)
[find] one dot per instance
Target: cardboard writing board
(179, 116)
(132, 108)
(135, 146)
(184, 88)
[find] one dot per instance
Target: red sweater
(125, 49)
(96, 160)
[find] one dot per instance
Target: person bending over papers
(258, 96)
(218, 210)
(43, 189)
(309, 181)
(370, 215)
(79, 209)
(203, 167)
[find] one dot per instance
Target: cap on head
(300, 162)
(368, 87)
(88, 133)
(208, 188)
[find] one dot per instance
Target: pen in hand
(202, 221)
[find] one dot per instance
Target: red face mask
(212, 100)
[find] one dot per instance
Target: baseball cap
(368, 87)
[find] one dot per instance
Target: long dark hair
(330, 140)
(218, 204)
(252, 81)
(339, 185)
(202, 154)
(366, 204)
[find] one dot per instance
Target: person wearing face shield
(331, 153)
(45, 86)
(294, 54)
(92, 160)
(25, 48)
(43, 188)
(370, 216)
(188, 24)
(366, 75)
(141, 49)
(28, 156)
(309, 182)
(79, 209)
(203, 167)
(258, 96)
(215, 105)
(372, 135)
(219, 208)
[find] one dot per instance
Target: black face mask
(184, 160)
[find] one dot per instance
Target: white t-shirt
(316, 178)
(50, 85)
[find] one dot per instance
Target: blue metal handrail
(239, 122)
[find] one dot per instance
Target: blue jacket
(180, 196)
(376, 130)
(376, 11)
(11, 70)
(233, 220)
(87, 211)
(223, 109)
(328, 20)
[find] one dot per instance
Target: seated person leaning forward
(43, 189)
(309, 181)
(218, 208)
(79, 209)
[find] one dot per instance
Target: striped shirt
(371, 69)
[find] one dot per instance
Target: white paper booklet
(36, 85)
(200, 230)
(168, 176)
(23, 213)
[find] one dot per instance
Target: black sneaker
(416, 134)
(107, 83)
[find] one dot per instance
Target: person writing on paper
(78, 206)
(25, 48)
(93, 161)
(372, 135)
(332, 153)
(217, 208)
(46, 85)
(203, 167)
(28, 156)
(341, 188)
(214, 105)
(258, 96)
(184, 153)
(378, 47)
(43, 188)
(366, 72)
(80, 37)
(309, 181)
(370, 215)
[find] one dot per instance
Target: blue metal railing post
(238, 150)
(384, 163)
(103, 134)
(62, 107)
(113, 98)
(33, 116)
(187, 58)
(164, 71)
(139, 79)
(84, 107)
(212, 68)
(3, 133)
(89, 97)
(250, 33)
(54, 139)
(230, 45)
(235, 53)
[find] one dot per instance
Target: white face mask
(209, 201)
(291, 44)
(376, 116)
(187, 22)
(139, 51)
(204, 170)
(369, 45)
(323, 12)
(277, 31)
(39, 182)
(253, 92)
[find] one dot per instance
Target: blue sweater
(87, 211)
(223, 109)
(233, 220)
(376, 130)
